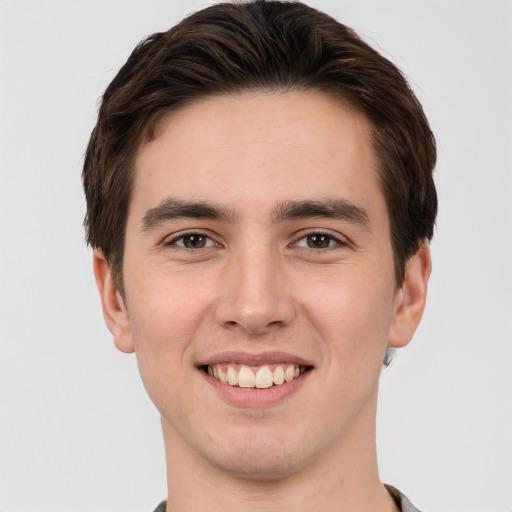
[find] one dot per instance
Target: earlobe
(411, 298)
(114, 309)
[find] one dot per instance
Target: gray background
(77, 432)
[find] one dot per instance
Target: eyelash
(174, 241)
(331, 238)
(333, 241)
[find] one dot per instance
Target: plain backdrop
(77, 432)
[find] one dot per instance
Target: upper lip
(253, 359)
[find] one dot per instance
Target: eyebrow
(171, 209)
(340, 209)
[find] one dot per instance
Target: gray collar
(401, 500)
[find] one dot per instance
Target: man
(260, 200)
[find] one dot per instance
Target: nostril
(231, 324)
(254, 326)
(276, 323)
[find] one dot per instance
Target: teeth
(246, 378)
(279, 375)
(232, 376)
(262, 378)
(223, 376)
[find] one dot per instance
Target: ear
(114, 309)
(410, 299)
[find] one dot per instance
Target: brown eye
(319, 241)
(193, 241)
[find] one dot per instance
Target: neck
(345, 478)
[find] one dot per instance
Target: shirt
(401, 501)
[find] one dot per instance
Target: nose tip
(255, 298)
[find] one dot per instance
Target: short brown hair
(231, 48)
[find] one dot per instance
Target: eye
(193, 241)
(318, 241)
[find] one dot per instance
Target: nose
(255, 296)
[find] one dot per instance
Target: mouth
(260, 377)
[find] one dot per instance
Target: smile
(261, 377)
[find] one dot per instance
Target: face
(258, 272)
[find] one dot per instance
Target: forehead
(253, 150)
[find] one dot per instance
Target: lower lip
(255, 397)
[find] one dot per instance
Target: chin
(258, 459)
(271, 468)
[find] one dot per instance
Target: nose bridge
(255, 297)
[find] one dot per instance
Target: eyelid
(341, 240)
(170, 240)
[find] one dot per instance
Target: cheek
(165, 306)
(163, 321)
(165, 317)
(353, 312)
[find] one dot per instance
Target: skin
(260, 285)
